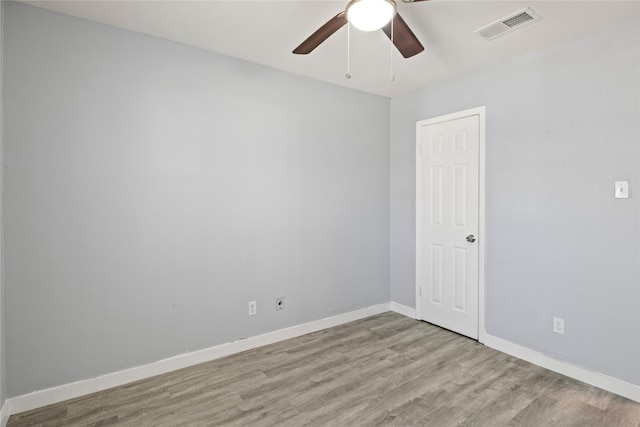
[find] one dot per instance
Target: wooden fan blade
(323, 33)
(403, 38)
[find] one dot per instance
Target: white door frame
(482, 238)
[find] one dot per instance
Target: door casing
(482, 238)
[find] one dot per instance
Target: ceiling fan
(368, 15)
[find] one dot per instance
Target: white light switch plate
(622, 189)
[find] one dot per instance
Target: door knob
(471, 238)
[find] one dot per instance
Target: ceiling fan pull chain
(391, 76)
(348, 75)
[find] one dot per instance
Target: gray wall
(562, 126)
(152, 190)
(3, 376)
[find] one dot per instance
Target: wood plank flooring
(386, 370)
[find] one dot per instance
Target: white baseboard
(605, 382)
(5, 413)
(48, 396)
(403, 309)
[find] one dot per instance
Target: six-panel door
(448, 249)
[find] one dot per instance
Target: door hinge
(421, 148)
(420, 290)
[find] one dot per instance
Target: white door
(448, 223)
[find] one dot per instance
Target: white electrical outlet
(279, 303)
(558, 325)
(252, 308)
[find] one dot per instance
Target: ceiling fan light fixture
(370, 15)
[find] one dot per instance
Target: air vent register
(508, 24)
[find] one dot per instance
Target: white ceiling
(265, 32)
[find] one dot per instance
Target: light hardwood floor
(385, 370)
